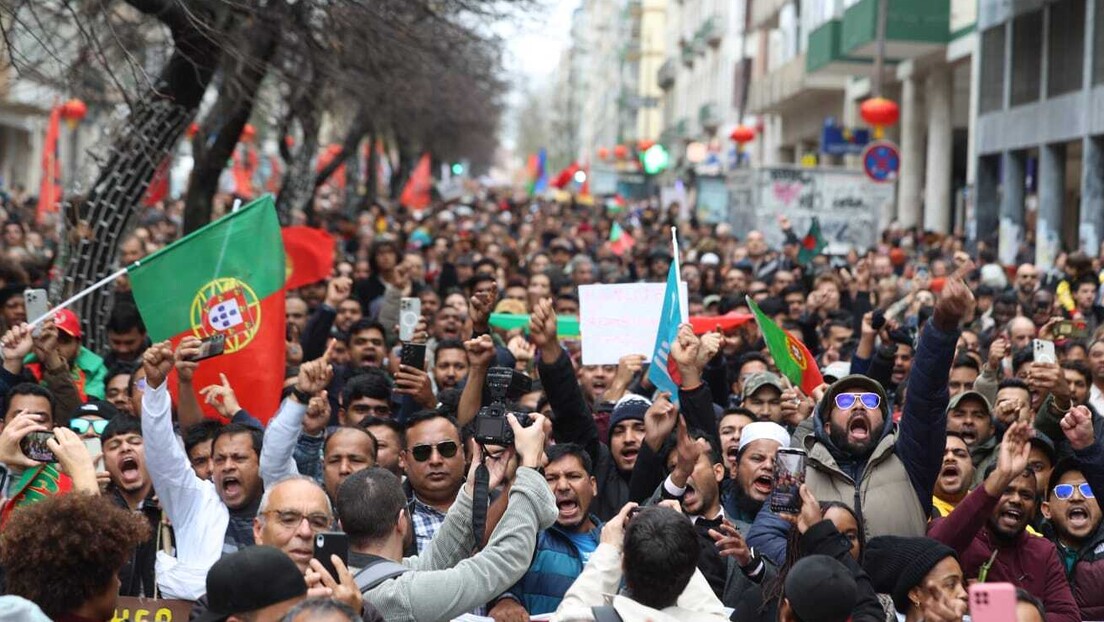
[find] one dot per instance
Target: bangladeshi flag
(228, 278)
(812, 244)
(792, 358)
(310, 254)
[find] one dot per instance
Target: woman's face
(457, 301)
(845, 524)
(539, 264)
(944, 581)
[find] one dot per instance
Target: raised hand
(687, 452)
(221, 397)
(659, 420)
(415, 383)
(711, 343)
(997, 351)
(686, 346)
(956, 301)
(158, 361)
(45, 345)
(17, 344)
(810, 512)
(317, 374)
(529, 441)
(523, 352)
(1078, 427)
(186, 352)
(74, 459)
(730, 543)
(481, 352)
(481, 305)
(1015, 450)
(338, 290)
(17, 428)
(318, 414)
(542, 330)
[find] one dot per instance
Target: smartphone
(37, 305)
(211, 346)
(1044, 351)
(410, 311)
(992, 602)
(34, 446)
(329, 543)
(413, 354)
(95, 449)
(789, 475)
(1071, 329)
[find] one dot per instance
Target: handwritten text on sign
(615, 320)
(130, 609)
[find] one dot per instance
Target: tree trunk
(155, 124)
(357, 129)
(298, 183)
(243, 71)
(372, 183)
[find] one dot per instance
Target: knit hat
(630, 406)
(821, 588)
(853, 382)
(896, 564)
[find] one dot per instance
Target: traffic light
(457, 168)
(655, 159)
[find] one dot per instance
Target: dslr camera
(491, 426)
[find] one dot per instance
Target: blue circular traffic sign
(881, 161)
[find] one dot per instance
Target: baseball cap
(710, 259)
(970, 395)
(762, 379)
(821, 588)
(834, 371)
(99, 408)
(68, 322)
(251, 579)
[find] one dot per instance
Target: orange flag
(415, 194)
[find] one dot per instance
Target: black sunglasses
(447, 449)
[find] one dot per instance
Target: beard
(838, 436)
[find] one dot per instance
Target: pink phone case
(992, 602)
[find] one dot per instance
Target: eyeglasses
(1065, 491)
(290, 519)
(847, 401)
(447, 449)
(80, 426)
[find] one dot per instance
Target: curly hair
(65, 550)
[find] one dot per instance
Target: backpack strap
(372, 575)
(605, 613)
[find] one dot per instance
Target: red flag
(158, 188)
(49, 193)
(245, 163)
(324, 159)
(309, 255)
(566, 176)
(415, 194)
(703, 324)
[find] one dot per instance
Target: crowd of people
(947, 446)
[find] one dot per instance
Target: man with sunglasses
(857, 456)
(1073, 513)
(988, 531)
(434, 463)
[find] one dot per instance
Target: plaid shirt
(427, 521)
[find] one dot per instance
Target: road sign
(881, 161)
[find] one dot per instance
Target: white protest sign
(615, 320)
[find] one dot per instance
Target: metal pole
(880, 42)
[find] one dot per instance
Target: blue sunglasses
(1065, 491)
(847, 401)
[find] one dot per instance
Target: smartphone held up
(789, 475)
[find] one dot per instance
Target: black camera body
(491, 426)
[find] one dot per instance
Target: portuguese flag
(792, 358)
(310, 254)
(228, 278)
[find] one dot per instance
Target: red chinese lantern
(645, 145)
(880, 112)
(742, 134)
(192, 130)
(621, 152)
(603, 153)
(248, 133)
(74, 111)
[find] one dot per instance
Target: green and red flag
(791, 357)
(310, 255)
(812, 244)
(228, 278)
(620, 240)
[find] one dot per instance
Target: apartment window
(1065, 47)
(992, 70)
(1027, 57)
